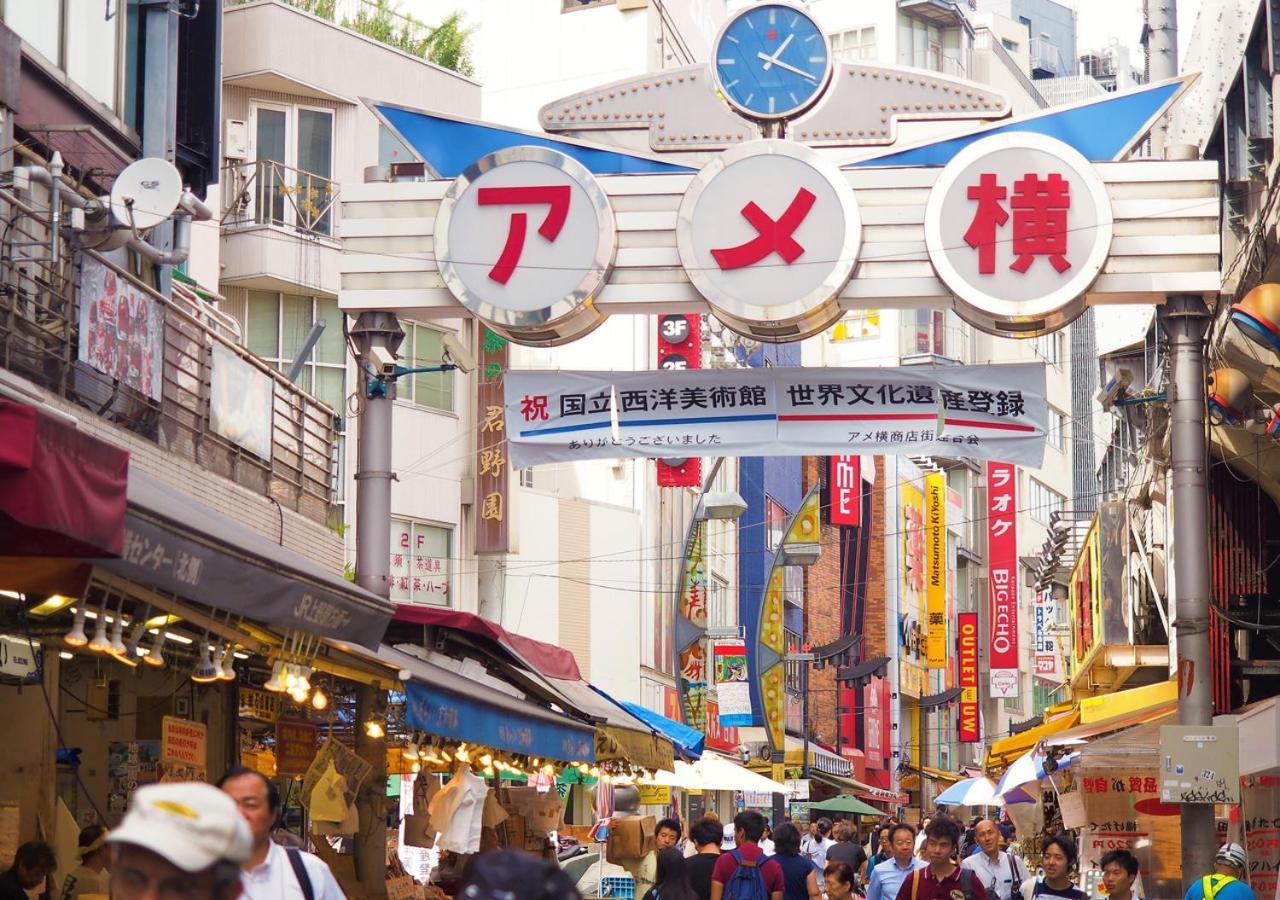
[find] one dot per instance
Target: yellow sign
(935, 569)
(910, 679)
(655, 795)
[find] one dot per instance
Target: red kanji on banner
(555, 196)
(774, 236)
(1040, 221)
(987, 219)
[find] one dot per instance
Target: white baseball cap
(192, 825)
(730, 839)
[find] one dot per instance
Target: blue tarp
(689, 741)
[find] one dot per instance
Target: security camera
(457, 354)
(1117, 389)
(383, 361)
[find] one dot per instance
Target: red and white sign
(183, 742)
(845, 488)
(970, 730)
(875, 745)
(769, 233)
(718, 737)
(1002, 568)
(679, 348)
(1047, 657)
(1018, 226)
(525, 238)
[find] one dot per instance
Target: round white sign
(525, 240)
(769, 233)
(1018, 226)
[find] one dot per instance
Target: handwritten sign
(295, 746)
(1260, 821)
(655, 795)
(183, 742)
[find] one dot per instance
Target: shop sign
(1046, 658)
(967, 677)
(241, 401)
(1201, 763)
(876, 723)
(1018, 226)
(719, 737)
(880, 795)
(1260, 824)
(525, 240)
(935, 568)
(769, 232)
(295, 746)
(121, 329)
(1123, 811)
(799, 788)
(130, 765)
(670, 703)
(692, 666)
(491, 465)
(733, 691)
(1002, 574)
(183, 742)
(19, 657)
(679, 347)
(911, 611)
(655, 795)
(982, 412)
(263, 706)
(844, 486)
(420, 571)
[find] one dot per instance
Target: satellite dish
(146, 193)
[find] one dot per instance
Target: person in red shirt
(748, 827)
(942, 879)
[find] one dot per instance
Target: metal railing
(948, 62)
(378, 21)
(40, 305)
(984, 40)
(265, 192)
(1046, 56)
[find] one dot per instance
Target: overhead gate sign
(993, 412)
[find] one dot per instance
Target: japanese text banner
(981, 412)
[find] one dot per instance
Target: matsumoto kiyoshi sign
(981, 412)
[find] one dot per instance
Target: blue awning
(690, 741)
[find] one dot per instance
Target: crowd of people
(203, 842)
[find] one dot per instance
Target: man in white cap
(179, 840)
(1224, 883)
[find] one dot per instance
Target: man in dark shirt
(847, 849)
(942, 879)
(705, 835)
(32, 865)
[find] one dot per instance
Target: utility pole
(1185, 319)
(1162, 57)
(377, 337)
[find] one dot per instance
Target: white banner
(978, 412)
(1047, 657)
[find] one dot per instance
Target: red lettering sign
(1040, 207)
(555, 196)
(1002, 567)
(967, 677)
(845, 488)
(774, 236)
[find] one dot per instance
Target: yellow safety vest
(1214, 883)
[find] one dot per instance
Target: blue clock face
(772, 61)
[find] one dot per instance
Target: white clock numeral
(747, 102)
(729, 37)
(812, 59)
(773, 17)
(729, 61)
(771, 100)
(730, 85)
(810, 37)
(792, 94)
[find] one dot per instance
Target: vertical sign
(679, 347)
(1048, 662)
(967, 677)
(845, 490)
(874, 745)
(492, 532)
(911, 609)
(718, 736)
(733, 691)
(1002, 564)
(935, 568)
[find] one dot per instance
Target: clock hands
(770, 60)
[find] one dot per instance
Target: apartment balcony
(935, 337)
(88, 330)
(279, 229)
(1047, 60)
(943, 13)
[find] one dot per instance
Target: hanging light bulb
(374, 729)
(276, 682)
(290, 678)
(228, 669)
(131, 650)
(415, 768)
(99, 642)
(319, 700)
(304, 678)
(411, 751)
(155, 657)
(76, 636)
(486, 760)
(117, 636)
(206, 672)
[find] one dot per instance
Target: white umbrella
(970, 792)
(713, 773)
(1029, 767)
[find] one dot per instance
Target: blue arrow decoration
(1103, 130)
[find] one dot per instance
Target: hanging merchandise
(347, 764)
(418, 830)
(458, 810)
(328, 800)
(541, 812)
(494, 815)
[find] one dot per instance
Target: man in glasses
(182, 841)
(998, 870)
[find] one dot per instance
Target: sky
(1100, 20)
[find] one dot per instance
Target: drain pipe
(189, 207)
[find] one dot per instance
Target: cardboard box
(630, 838)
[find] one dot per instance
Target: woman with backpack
(673, 878)
(1058, 857)
(800, 878)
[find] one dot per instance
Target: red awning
(546, 659)
(62, 492)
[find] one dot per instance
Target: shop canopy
(1158, 701)
(175, 544)
(619, 734)
(715, 773)
(690, 741)
(845, 803)
(62, 491)
(448, 705)
(1122, 703)
(537, 656)
(1006, 750)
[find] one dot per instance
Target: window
(1049, 348)
(526, 477)
(81, 37)
(1043, 501)
(795, 670)
(720, 611)
(861, 325)
(935, 333)
(277, 327)
(1057, 429)
(1011, 46)
(421, 564)
(390, 148)
(775, 520)
(292, 170)
(854, 45)
(424, 346)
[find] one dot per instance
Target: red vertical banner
(679, 347)
(845, 489)
(967, 677)
(1002, 566)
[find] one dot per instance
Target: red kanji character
(535, 407)
(1040, 221)
(1149, 785)
(987, 218)
(773, 237)
(1135, 784)
(556, 196)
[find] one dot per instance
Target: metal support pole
(804, 719)
(160, 106)
(779, 758)
(1162, 19)
(1185, 320)
(374, 331)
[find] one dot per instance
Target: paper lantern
(1258, 316)
(1229, 394)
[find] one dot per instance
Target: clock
(772, 61)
